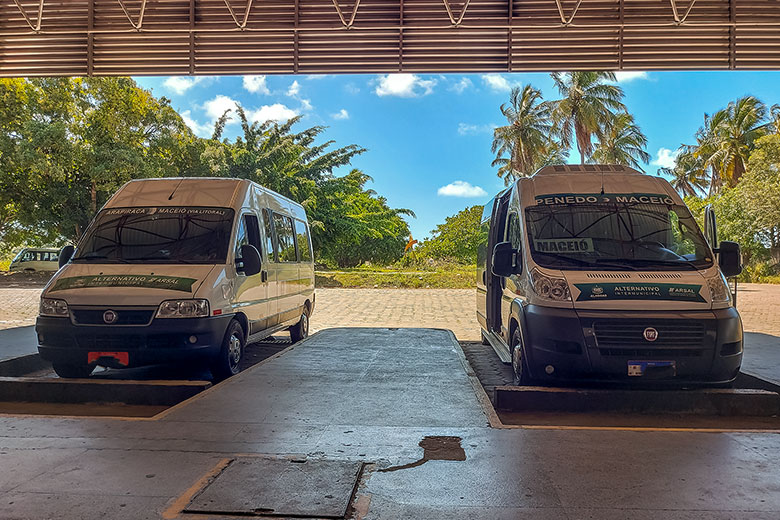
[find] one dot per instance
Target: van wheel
(72, 370)
(228, 361)
(301, 329)
(519, 365)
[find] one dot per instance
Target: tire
(228, 361)
(519, 365)
(72, 370)
(484, 338)
(300, 330)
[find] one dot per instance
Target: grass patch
(387, 278)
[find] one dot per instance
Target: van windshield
(158, 235)
(615, 232)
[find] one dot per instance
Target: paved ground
(378, 397)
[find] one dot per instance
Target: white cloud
(467, 129)
(306, 105)
(404, 85)
(275, 112)
(201, 130)
(461, 85)
(351, 88)
(216, 107)
(181, 84)
(341, 114)
(256, 85)
(294, 89)
(318, 76)
(461, 189)
(624, 76)
(666, 158)
(496, 82)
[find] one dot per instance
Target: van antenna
(602, 181)
(182, 179)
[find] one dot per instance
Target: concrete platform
(373, 396)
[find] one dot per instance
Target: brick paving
(452, 309)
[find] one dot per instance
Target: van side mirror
(250, 260)
(66, 253)
(504, 259)
(730, 258)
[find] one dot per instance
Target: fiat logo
(650, 334)
(109, 316)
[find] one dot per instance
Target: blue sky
(428, 136)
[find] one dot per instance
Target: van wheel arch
(241, 318)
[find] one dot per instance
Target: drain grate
(280, 487)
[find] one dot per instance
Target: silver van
(598, 272)
(176, 270)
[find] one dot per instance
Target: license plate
(640, 368)
(123, 358)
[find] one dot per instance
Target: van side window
(285, 238)
(241, 238)
(302, 237)
(270, 243)
(253, 231)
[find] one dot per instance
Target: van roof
(586, 168)
(186, 191)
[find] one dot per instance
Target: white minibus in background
(598, 272)
(178, 270)
(35, 259)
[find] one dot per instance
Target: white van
(598, 272)
(179, 269)
(35, 259)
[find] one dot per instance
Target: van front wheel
(519, 365)
(228, 361)
(301, 329)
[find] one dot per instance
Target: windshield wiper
(152, 258)
(577, 261)
(88, 257)
(619, 263)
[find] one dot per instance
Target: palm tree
(527, 142)
(587, 105)
(621, 142)
(732, 133)
(689, 174)
(774, 119)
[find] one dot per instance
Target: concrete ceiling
(207, 37)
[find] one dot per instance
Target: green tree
(588, 104)
(350, 224)
(527, 142)
(759, 193)
(457, 238)
(68, 144)
(689, 174)
(620, 141)
(727, 138)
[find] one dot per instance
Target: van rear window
(177, 235)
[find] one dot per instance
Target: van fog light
(193, 339)
(549, 369)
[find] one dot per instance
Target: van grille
(626, 338)
(124, 316)
(126, 342)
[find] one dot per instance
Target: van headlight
(550, 288)
(719, 289)
(53, 307)
(183, 309)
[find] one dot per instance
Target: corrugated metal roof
(173, 37)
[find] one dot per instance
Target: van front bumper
(703, 346)
(162, 341)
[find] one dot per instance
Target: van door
(495, 284)
(251, 291)
(286, 268)
(270, 267)
(305, 264)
